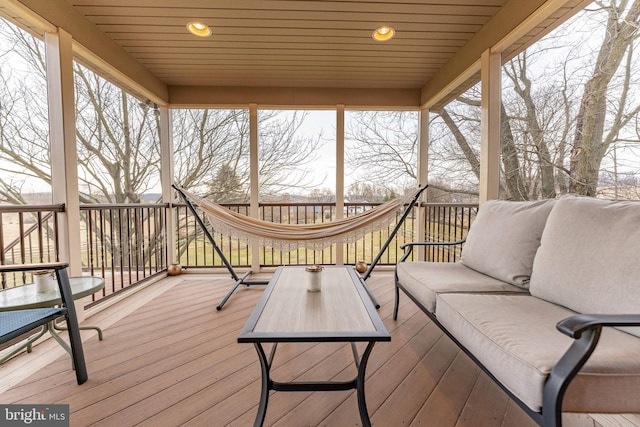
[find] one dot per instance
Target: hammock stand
(242, 280)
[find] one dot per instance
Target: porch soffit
(291, 52)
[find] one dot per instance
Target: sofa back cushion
(588, 258)
(504, 238)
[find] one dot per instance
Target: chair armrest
(14, 268)
(575, 325)
(62, 276)
(408, 247)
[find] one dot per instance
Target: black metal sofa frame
(568, 280)
(585, 329)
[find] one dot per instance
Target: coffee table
(341, 312)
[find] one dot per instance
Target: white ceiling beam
(192, 96)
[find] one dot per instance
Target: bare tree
(285, 153)
(540, 114)
(454, 149)
(381, 148)
(367, 192)
(24, 147)
(118, 141)
(211, 152)
(322, 195)
(590, 144)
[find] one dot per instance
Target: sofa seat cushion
(588, 257)
(514, 336)
(425, 280)
(504, 238)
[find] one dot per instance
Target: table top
(26, 296)
(341, 312)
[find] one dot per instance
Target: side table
(26, 297)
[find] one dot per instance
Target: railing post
(340, 176)
(253, 178)
(166, 159)
(423, 174)
(491, 72)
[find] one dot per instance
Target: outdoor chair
(14, 324)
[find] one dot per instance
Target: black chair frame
(16, 323)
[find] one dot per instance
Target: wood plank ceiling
(291, 43)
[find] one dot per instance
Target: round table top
(26, 296)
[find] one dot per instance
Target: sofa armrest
(574, 326)
(408, 247)
(585, 329)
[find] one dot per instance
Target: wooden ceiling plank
(286, 4)
(296, 10)
(408, 21)
(300, 42)
(278, 36)
(298, 50)
(294, 43)
(362, 61)
(60, 14)
(409, 29)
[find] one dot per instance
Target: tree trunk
(512, 173)
(522, 86)
(589, 146)
(462, 141)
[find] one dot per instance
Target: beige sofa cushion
(424, 280)
(514, 336)
(504, 238)
(588, 259)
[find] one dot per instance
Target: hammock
(289, 237)
(302, 235)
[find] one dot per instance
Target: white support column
(64, 159)
(491, 72)
(166, 179)
(423, 173)
(254, 180)
(340, 176)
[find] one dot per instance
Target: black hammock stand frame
(243, 280)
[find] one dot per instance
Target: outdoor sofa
(544, 299)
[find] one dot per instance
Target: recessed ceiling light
(199, 29)
(384, 33)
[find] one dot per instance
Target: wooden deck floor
(169, 359)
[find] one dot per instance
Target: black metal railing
(28, 235)
(127, 244)
(124, 243)
(447, 223)
(443, 222)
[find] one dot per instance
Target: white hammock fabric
(289, 237)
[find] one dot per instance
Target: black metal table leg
(357, 383)
(362, 401)
(264, 389)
